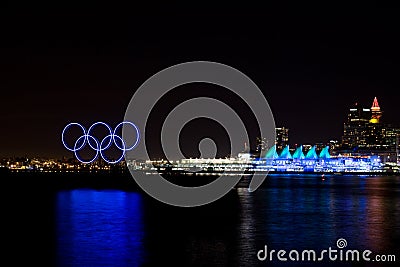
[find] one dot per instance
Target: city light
(368, 146)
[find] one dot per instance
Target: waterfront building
(275, 162)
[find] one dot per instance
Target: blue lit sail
(325, 153)
(271, 154)
(286, 153)
(298, 154)
(312, 154)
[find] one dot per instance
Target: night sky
(61, 64)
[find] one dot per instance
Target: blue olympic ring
(100, 146)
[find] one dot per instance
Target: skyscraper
(281, 140)
(355, 128)
(261, 144)
(376, 112)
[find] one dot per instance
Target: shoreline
(124, 180)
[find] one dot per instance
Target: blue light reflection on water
(100, 228)
(117, 228)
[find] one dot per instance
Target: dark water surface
(104, 227)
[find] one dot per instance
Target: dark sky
(60, 64)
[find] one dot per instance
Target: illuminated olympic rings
(100, 146)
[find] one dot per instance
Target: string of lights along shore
(368, 144)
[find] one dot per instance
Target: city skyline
(281, 129)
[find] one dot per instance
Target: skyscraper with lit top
(376, 112)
